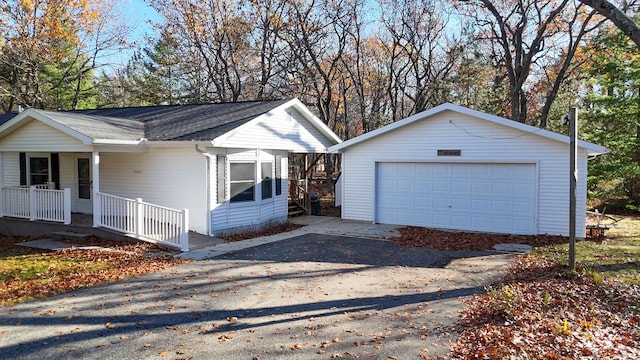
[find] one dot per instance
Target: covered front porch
(64, 188)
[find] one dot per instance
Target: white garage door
(478, 197)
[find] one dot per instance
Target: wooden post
(573, 177)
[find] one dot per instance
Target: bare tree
(422, 54)
(617, 17)
(522, 29)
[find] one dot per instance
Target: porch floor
(84, 223)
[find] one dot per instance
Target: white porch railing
(37, 202)
(143, 220)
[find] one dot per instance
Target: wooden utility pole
(573, 177)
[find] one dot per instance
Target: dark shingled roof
(203, 122)
(6, 117)
(175, 122)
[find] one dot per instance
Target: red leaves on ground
(457, 240)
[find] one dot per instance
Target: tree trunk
(617, 17)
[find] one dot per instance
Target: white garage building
(451, 167)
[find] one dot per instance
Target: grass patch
(614, 257)
(27, 273)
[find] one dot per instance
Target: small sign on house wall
(449, 152)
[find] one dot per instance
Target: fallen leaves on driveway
(459, 240)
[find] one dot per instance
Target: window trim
(230, 182)
(37, 155)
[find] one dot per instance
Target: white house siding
(285, 130)
(228, 217)
(173, 176)
(36, 136)
(11, 169)
(479, 141)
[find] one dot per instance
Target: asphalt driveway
(309, 297)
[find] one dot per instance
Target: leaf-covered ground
(458, 240)
(272, 230)
(541, 310)
(27, 273)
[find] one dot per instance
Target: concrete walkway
(313, 225)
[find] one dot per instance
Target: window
(278, 175)
(84, 178)
(267, 181)
(222, 177)
(242, 181)
(38, 170)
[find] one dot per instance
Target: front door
(84, 203)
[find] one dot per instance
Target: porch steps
(295, 210)
(69, 235)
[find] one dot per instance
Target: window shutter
(23, 168)
(221, 170)
(55, 170)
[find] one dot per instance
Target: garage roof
(592, 149)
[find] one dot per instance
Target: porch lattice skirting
(143, 220)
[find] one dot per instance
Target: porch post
(139, 219)
(95, 168)
(67, 206)
(184, 241)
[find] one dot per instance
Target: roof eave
(592, 149)
(23, 117)
(295, 103)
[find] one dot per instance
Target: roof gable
(592, 149)
(205, 122)
(202, 122)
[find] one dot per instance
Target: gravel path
(309, 297)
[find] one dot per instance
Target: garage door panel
(440, 186)
(460, 221)
(522, 208)
(479, 205)
(479, 197)
(423, 186)
(404, 201)
(440, 203)
(522, 188)
(459, 204)
(500, 206)
(423, 202)
(461, 187)
(480, 222)
(441, 220)
(405, 170)
(480, 188)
